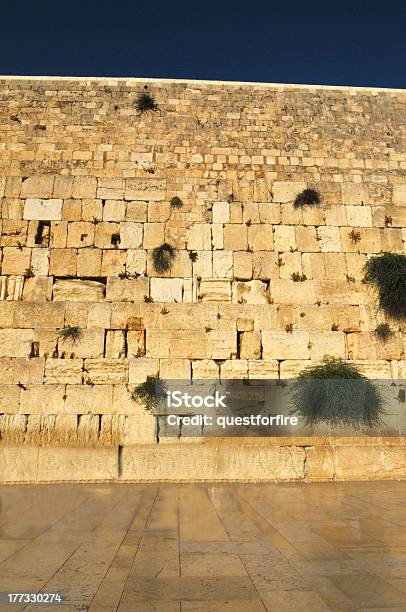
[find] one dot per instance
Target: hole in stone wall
(115, 240)
(43, 232)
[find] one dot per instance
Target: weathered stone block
(90, 344)
(106, 371)
(15, 342)
(63, 262)
(235, 369)
(84, 187)
(283, 345)
(89, 262)
(327, 343)
(42, 399)
(80, 234)
(235, 237)
(105, 233)
(287, 291)
(250, 345)
(251, 292)
(242, 265)
(113, 262)
(329, 239)
(286, 191)
(115, 344)
(263, 369)
(167, 289)
(260, 237)
(18, 464)
(82, 399)
(136, 343)
(63, 371)
(45, 210)
(77, 464)
(153, 235)
(127, 289)
(39, 186)
(175, 369)
(213, 290)
(145, 189)
(76, 290)
(130, 235)
(223, 264)
(221, 212)
(359, 216)
(354, 193)
(205, 369)
(265, 265)
(369, 463)
(284, 237)
(142, 368)
(15, 261)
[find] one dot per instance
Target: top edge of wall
(131, 80)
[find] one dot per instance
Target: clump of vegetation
(162, 257)
(387, 273)
(176, 202)
(383, 332)
(334, 327)
(336, 393)
(149, 393)
(193, 256)
(355, 236)
(70, 333)
(298, 278)
(145, 102)
(308, 197)
(29, 272)
(289, 328)
(148, 299)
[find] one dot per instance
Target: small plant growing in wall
(148, 393)
(176, 202)
(193, 256)
(383, 332)
(29, 272)
(145, 103)
(387, 273)
(308, 197)
(336, 393)
(70, 333)
(162, 257)
(298, 278)
(355, 236)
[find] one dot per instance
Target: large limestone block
(115, 344)
(140, 429)
(214, 290)
(234, 369)
(329, 239)
(359, 216)
(284, 345)
(44, 210)
(130, 235)
(251, 292)
(399, 195)
(110, 188)
(291, 368)
(221, 212)
(205, 369)
(63, 371)
(198, 237)
(284, 237)
(306, 239)
(84, 187)
(223, 264)
(213, 462)
(286, 191)
(106, 371)
(320, 463)
(77, 464)
(174, 369)
(63, 187)
(369, 240)
(265, 265)
(39, 186)
(28, 370)
(142, 368)
(127, 289)
(63, 262)
(18, 464)
(235, 237)
(80, 234)
(263, 369)
(250, 345)
(6, 370)
(341, 292)
(269, 212)
(15, 261)
(99, 315)
(42, 399)
(39, 315)
(146, 190)
(40, 262)
(220, 344)
(380, 369)
(104, 232)
(113, 263)
(327, 343)
(136, 262)
(354, 193)
(75, 290)
(242, 265)
(9, 398)
(370, 463)
(260, 237)
(154, 234)
(167, 289)
(15, 342)
(81, 399)
(11, 287)
(89, 344)
(136, 343)
(287, 291)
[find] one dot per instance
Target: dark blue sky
(255, 41)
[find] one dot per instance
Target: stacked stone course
(257, 287)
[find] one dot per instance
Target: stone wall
(257, 288)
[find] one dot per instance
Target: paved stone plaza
(206, 547)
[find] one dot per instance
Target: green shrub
(162, 257)
(383, 331)
(387, 273)
(149, 393)
(308, 197)
(336, 393)
(176, 202)
(145, 102)
(70, 333)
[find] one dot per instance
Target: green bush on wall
(162, 257)
(387, 273)
(145, 102)
(308, 197)
(149, 393)
(337, 394)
